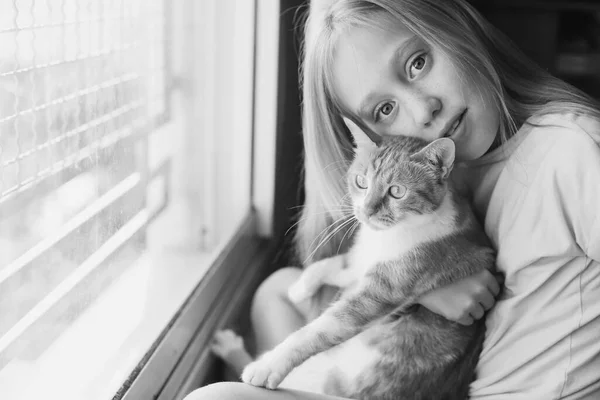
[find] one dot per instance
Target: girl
(527, 143)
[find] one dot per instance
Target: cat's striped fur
(374, 342)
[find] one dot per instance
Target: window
(125, 181)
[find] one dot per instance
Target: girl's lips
(460, 127)
(453, 125)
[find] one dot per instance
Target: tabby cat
(416, 234)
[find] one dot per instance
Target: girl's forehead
(363, 37)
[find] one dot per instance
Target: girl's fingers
(477, 312)
(492, 284)
(466, 320)
(487, 300)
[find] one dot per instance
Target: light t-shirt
(540, 195)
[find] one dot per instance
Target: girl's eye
(361, 182)
(397, 191)
(384, 110)
(387, 109)
(417, 65)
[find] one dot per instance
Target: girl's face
(396, 84)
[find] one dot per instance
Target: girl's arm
(466, 300)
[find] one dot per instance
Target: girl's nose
(424, 110)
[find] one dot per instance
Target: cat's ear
(362, 140)
(440, 153)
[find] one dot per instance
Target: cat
(416, 234)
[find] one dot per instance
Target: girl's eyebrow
(399, 54)
(405, 47)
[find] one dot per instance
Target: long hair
(517, 86)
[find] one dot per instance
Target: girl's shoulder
(538, 135)
(562, 148)
(551, 140)
(564, 128)
(569, 172)
(549, 152)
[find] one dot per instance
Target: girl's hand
(464, 301)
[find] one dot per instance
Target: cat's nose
(371, 205)
(369, 212)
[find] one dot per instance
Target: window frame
(180, 361)
(185, 337)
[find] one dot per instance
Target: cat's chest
(373, 247)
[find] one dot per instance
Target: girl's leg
(242, 391)
(273, 315)
(273, 318)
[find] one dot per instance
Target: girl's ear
(362, 140)
(440, 153)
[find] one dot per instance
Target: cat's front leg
(273, 366)
(341, 321)
(268, 371)
(327, 271)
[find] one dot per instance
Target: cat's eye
(397, 191)
(417, 65)
(361, 182)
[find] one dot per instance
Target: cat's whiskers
(352, 228)
(343, 203)
(341, 210)
(348, 220)
(346, 208)
(324, 232)
(356, 225)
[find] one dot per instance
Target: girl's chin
(485, 144)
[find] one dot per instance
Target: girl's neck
(496, 143)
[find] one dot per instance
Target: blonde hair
(516, 85)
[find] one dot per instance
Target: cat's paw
(262, 373)
(309, 282)
(300, 291)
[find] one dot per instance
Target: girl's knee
(219, 390)
(232, 391)
(276, 285)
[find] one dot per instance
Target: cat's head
(395, 178)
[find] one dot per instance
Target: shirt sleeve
(593, 249)
(577, 173)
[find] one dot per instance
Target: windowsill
(93, 358)
(96, 354)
